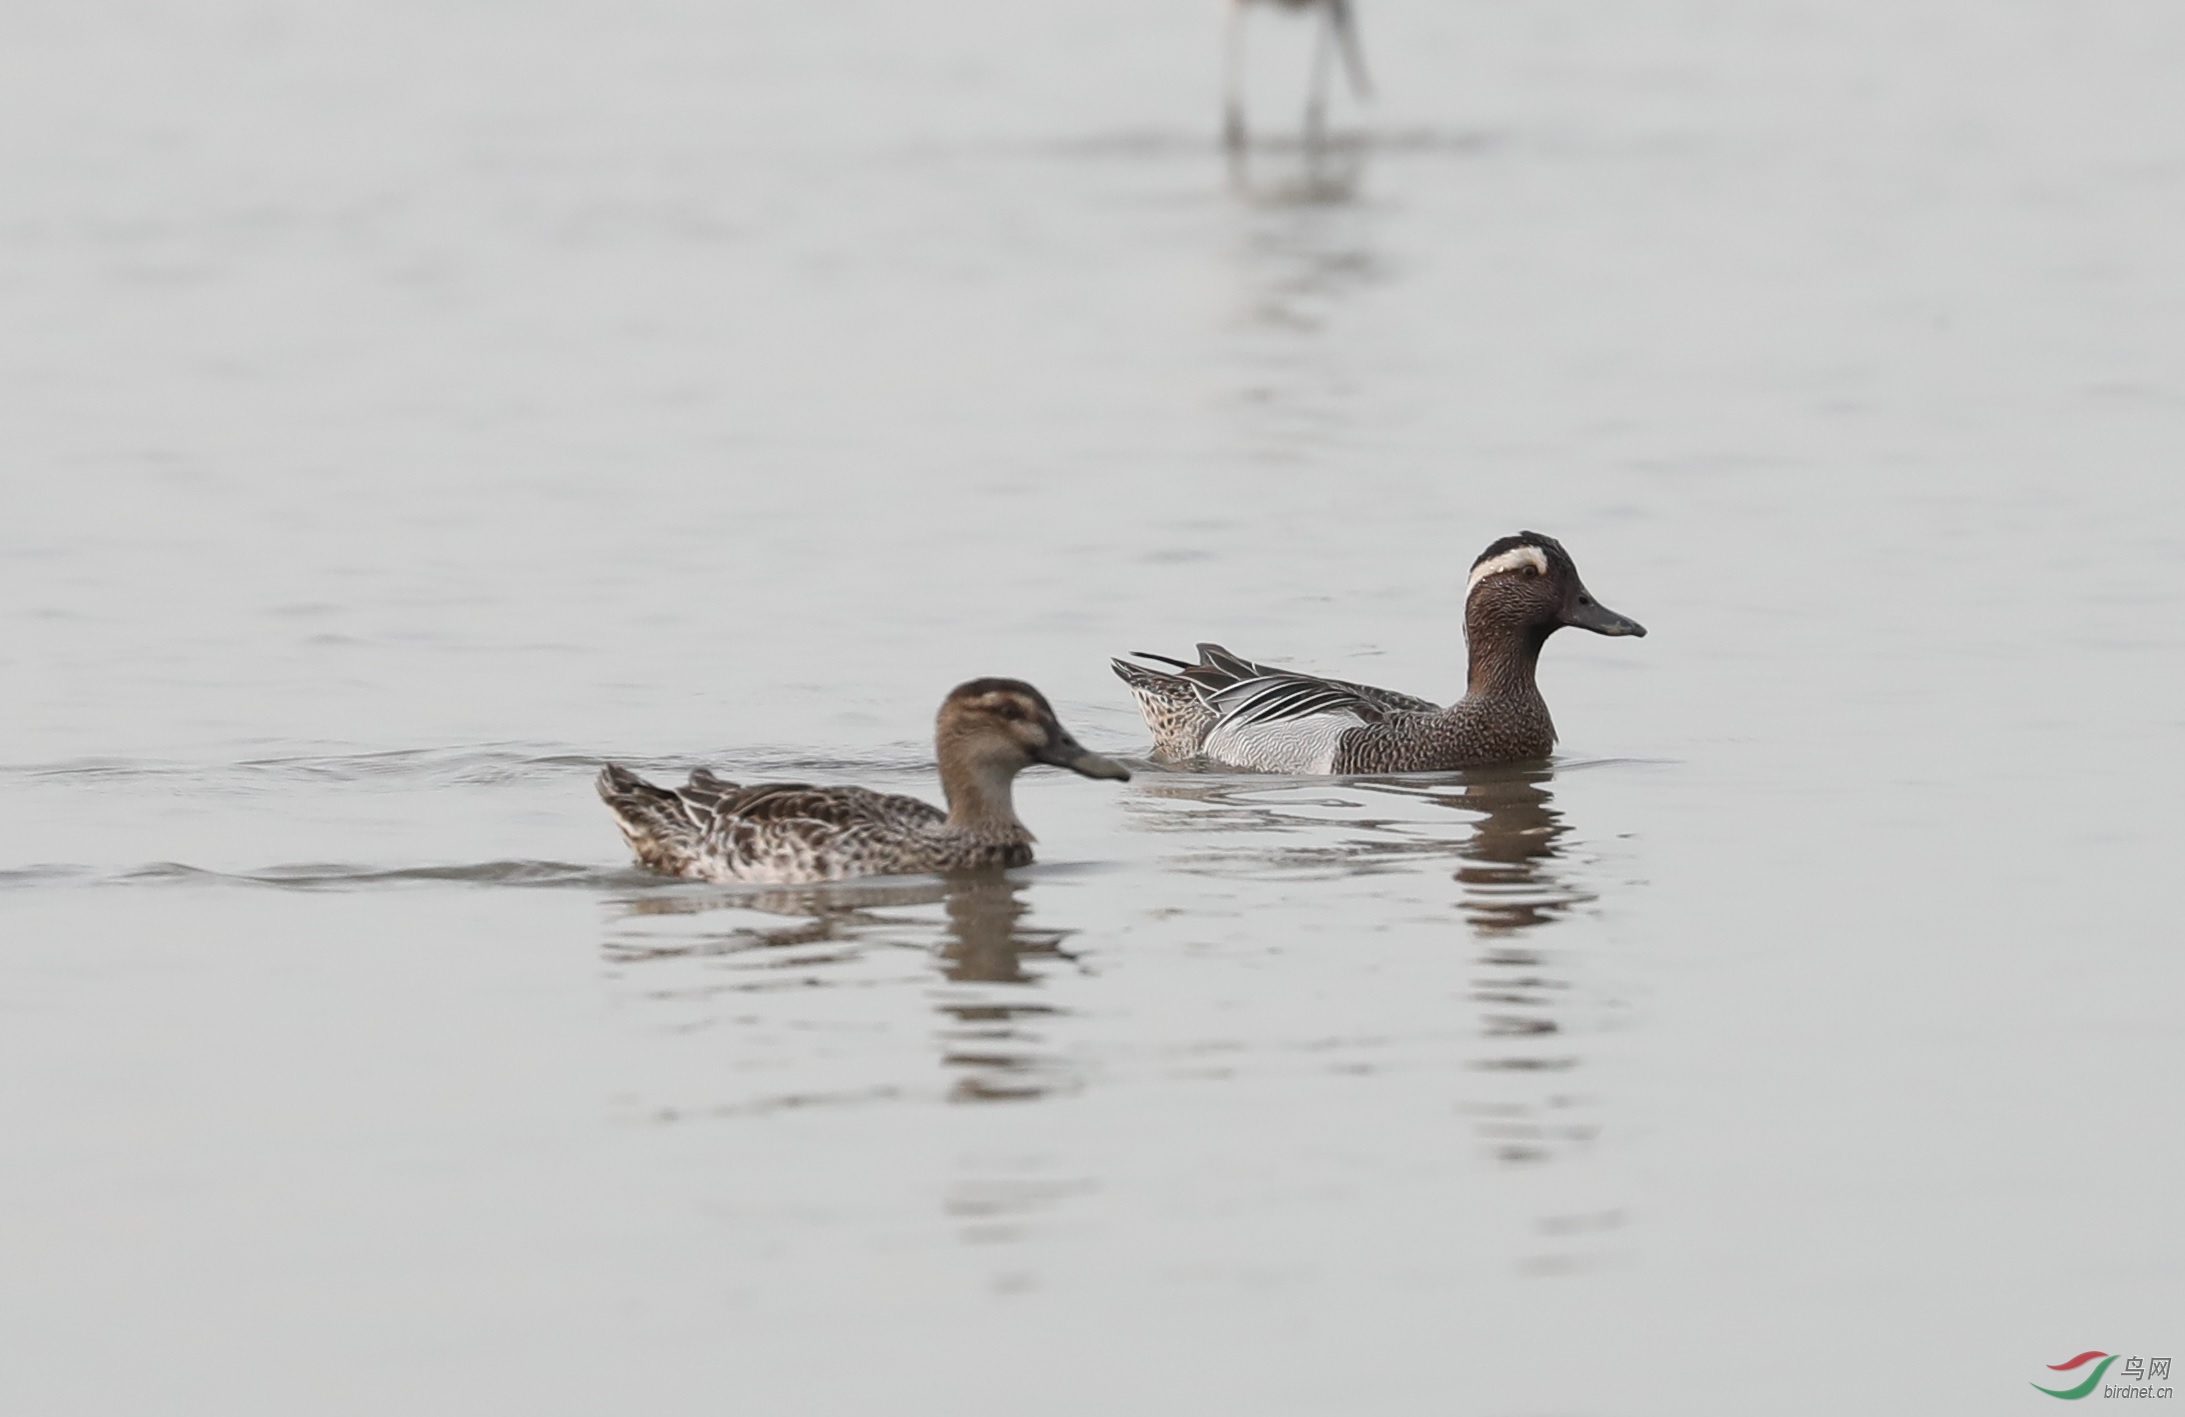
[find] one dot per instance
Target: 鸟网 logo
(2073, 1394)
(2136, 1371)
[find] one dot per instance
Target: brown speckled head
(1008, 722)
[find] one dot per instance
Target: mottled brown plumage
(1227, 709)
(987, 732)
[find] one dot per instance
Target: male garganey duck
(1229, 710)
(987, 732)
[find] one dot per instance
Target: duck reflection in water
(991, 964)
(1526, 1110)
(1507, 875)
(992, 1033)
(1515, 876)
(1507, 861)
(822, 913)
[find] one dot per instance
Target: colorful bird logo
(2073, 1394)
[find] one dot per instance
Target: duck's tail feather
(1226, 665)
(1142, 680)
(654, 820)
(1174, 705)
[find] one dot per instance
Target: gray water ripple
(336, 876)
(474, 765)
(43, 875)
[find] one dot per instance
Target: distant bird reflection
(1321, 174)
(1338, 31)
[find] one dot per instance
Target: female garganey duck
(1523, 589)
(988, 731)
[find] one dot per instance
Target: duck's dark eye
(1531, 571)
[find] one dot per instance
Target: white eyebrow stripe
(1509, 560)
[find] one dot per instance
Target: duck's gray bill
(1603, 621)
(1067, 753)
